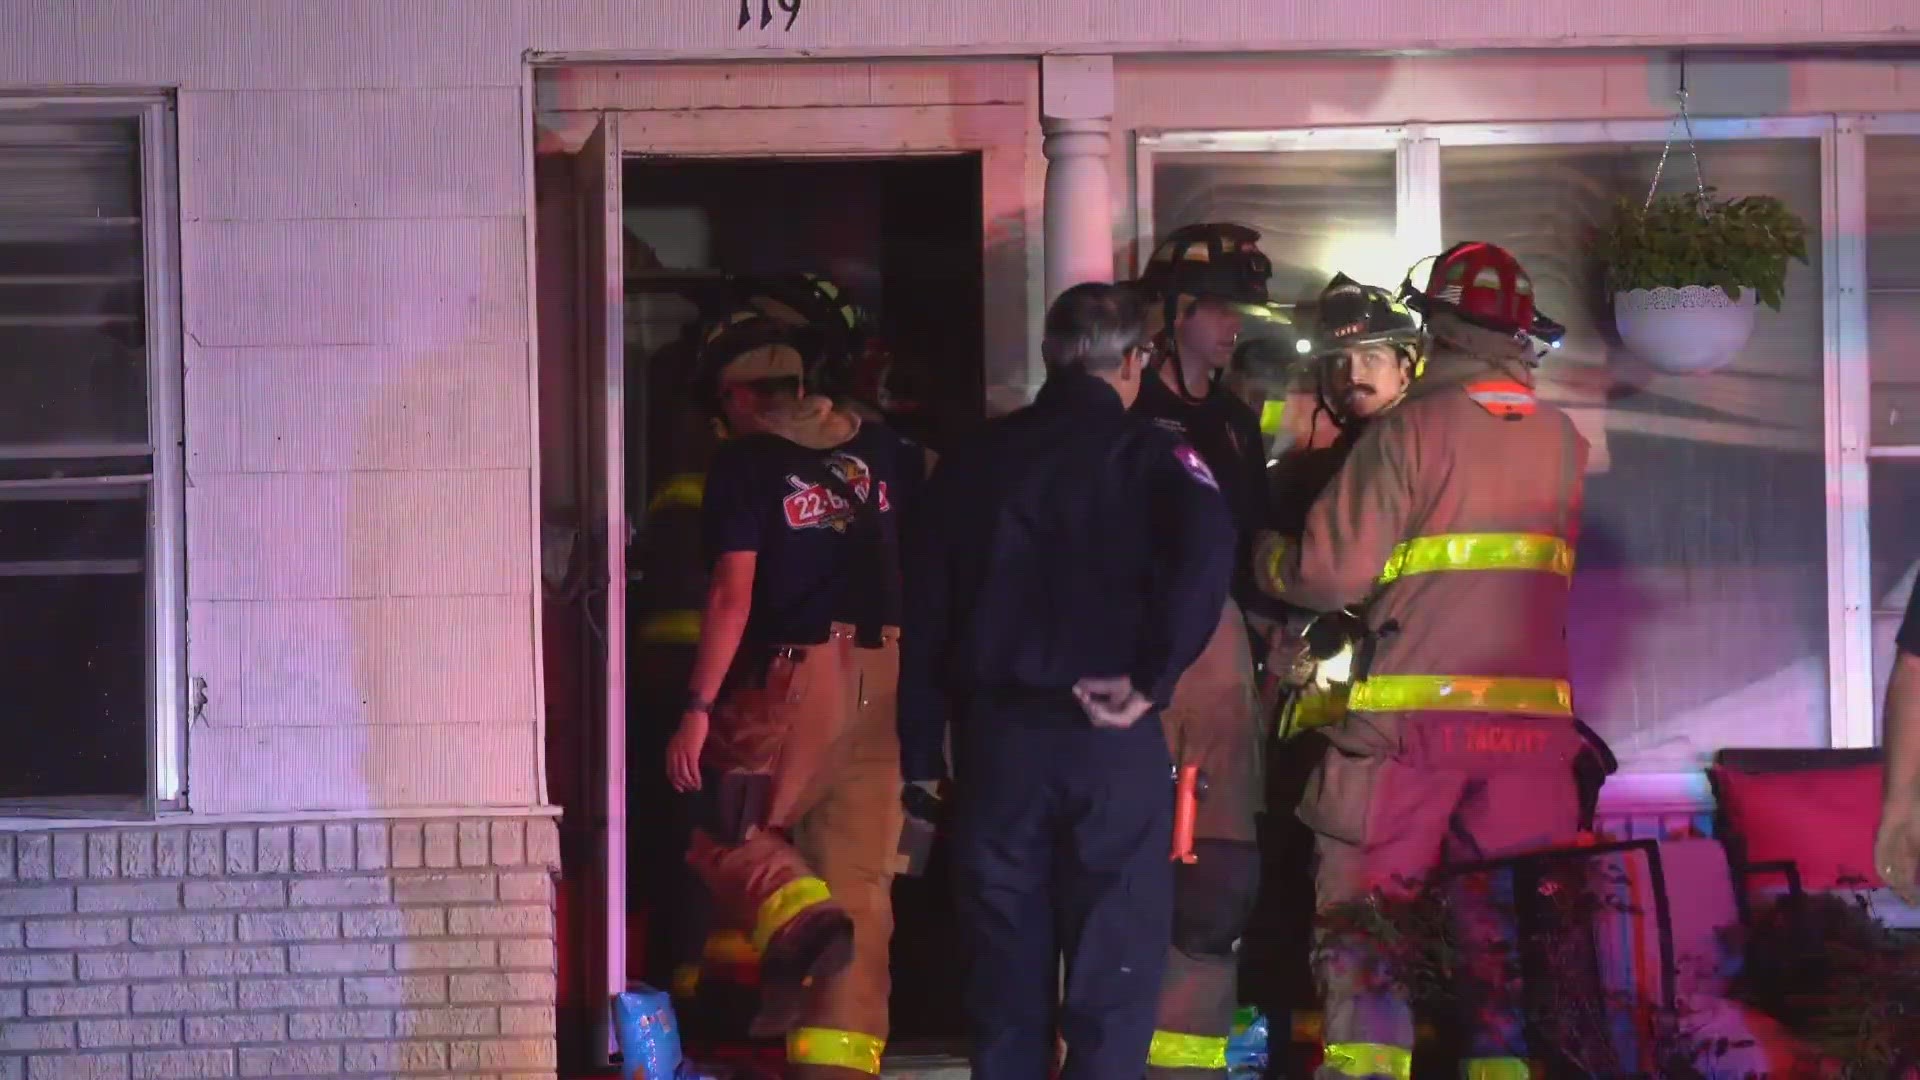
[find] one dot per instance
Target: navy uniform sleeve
(729, 518)
(1909, 636)
(926, 628)
(1193, 553)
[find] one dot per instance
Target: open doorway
(901, 239)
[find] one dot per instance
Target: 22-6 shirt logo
(812, 506)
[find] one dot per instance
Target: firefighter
(1199, 280)
(831, 333)
(1453, 522)
(788, 730)
(829, 330)
(1364, 349)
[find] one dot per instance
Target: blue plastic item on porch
(1247, 1047)
(648, 1034)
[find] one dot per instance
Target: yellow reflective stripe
(683, 490)
(1461, 693)
(1506, 1068)
(686, 980)
(779, 909)
(1369, 1059)
(1479, 551)
(729, 947)
(1315, 709)
(1178, 1050)
(671, 628)
(1272, 414)
(827, 1046)
(1270, 566)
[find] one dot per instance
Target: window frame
(1846, 379)
(166, 630)
(1854, 132)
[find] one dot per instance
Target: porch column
(1076, 117)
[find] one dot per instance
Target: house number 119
(791, 7)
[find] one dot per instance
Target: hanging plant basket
(1689, 270)
(1685, 331)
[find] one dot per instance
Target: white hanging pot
(1687, 331)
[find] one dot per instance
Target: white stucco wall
(361, 512)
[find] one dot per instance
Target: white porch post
(1076, 114)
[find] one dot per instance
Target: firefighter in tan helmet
(788, 731)
(1202, 280)
(1451, 527)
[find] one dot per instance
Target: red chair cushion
(1822, 820)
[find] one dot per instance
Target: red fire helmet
(1485, 284)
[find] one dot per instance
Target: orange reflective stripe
(1502, 397)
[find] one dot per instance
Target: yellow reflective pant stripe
(1461, 693)
(1369, 1059)
(1505, 1068)
(684, 490)
(729, 947)
(779, 909)
(1479, 551)
(671, 628)
(827, 1046)
(1178, 1050)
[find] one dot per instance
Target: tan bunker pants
(813, 881)
(1214, 725)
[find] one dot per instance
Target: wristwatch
(698, 704)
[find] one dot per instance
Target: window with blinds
(76, 460)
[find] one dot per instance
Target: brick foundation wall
(423, 948)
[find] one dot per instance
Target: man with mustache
(1450, 528)
(1364, 348)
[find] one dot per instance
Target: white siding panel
(271, 770)
(259, 155)
(271, 44)
(406, 661)
(371, 534)
(369, 44)
(785, 86)
(1228, 25)
(319, 409)
(405, 282)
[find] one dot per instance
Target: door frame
(1006, 137)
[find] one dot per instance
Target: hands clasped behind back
(1111, 703)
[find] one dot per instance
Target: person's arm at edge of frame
(924, 710)
(1352, 527)
(1194, 541)
(729, 520)
(1897, 843)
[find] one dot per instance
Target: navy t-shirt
(766, 495)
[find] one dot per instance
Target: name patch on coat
(1196, 467)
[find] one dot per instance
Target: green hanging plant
(1698, 239)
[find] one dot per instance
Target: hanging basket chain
(1682, 122)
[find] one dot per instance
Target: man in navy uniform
(1071, 564)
